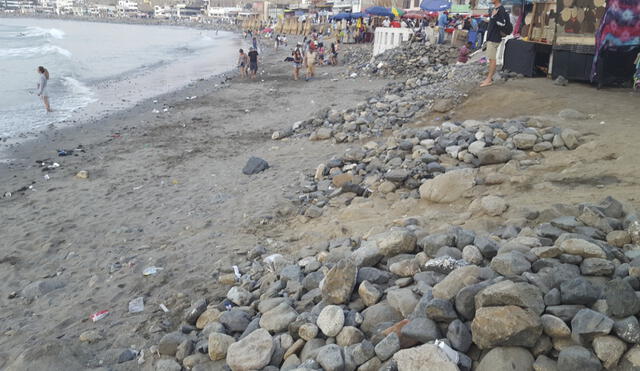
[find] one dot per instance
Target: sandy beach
(166, 190)
(163, 190)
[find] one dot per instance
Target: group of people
(308, 53)
(248, 63)
(311, 52)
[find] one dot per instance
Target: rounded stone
(331, 320)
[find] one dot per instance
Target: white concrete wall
(388, 38)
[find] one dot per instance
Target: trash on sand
(451, 354)
(236, 271)
(7, 194)
(99, 315)
(46, 177)
(353, 75)
(164, 308)
(136, 305)
(155, 111)
(151, 271)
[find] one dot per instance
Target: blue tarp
(435, 5)
(341, 16)
(379, 11)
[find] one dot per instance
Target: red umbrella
(268, 29)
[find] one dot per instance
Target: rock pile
(432, 85)
(438, 89)
(411, 157)
(560, 294)
(409, 59)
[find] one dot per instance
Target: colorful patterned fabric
(636, 77)
(620, 26)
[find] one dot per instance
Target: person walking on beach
(243, 62)
(43, 91)
(310, 59)
(333, 58)
(499, 24)
(297, 63)
(253, 62)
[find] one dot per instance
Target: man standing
(253, 62)
(442, 24)
(497, 26)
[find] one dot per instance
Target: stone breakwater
(544, 295)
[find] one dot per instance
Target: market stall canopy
(379, 11)
(397, 12)
(341, 16)
(418, 14)
(435, 5)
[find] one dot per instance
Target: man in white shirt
(386, 23)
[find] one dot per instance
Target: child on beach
(297, 63)
(243, 61)
(333, 58)
(42, 87)
(463, 54)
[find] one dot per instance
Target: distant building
(127, 8)
(18, 6)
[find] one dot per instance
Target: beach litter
(164, 308)
(99, 315)
(136, 305)
(149, 271)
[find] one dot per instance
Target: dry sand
(167, 190)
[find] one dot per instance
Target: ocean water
(98, 67)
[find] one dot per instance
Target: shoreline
(95, 111)
(127, 20)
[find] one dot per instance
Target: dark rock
(459, 335)
(235, 320)
(577, 358)
(628, 329)
(255, 165)
(421, 330)
(192, 314)
(587, 324)
(579, 291)
(622, 300)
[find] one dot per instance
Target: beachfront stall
(592, 40)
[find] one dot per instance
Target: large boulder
(577, 358)
(494, 155)
(278, 319)
(505, 326)
(395, 241)
(455, 281)
(427, 355)
(251, 353)
(588, 324)
(448, 187)
(339, 282)
(506, 359)
(521, 294)
(582, 248)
